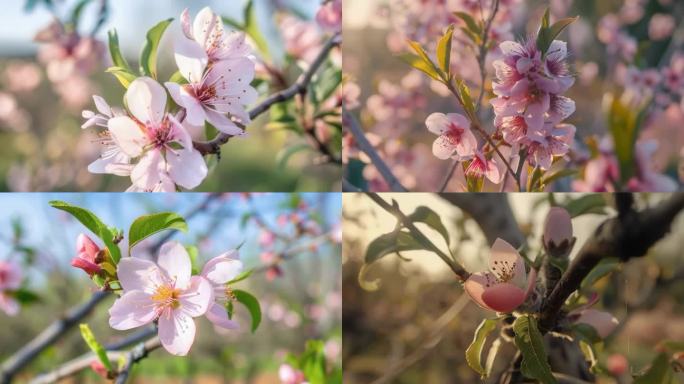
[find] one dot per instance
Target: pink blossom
(506, 285)
(215, 88)
(557, 236)
(329, 16)
(207, 31)
(617, 364)
(219, 271)
(647, 179)
(164, 147)
(86, 255)
(481, 166)
(603, 322)
(10, 280)
(454, 134)
(600, 173)
(22, 76)
(100, 369)
(661, 26)
(302, 38)
(266, 238)
(554, 143)
(290, 375)
(165, 292)
(112, 160)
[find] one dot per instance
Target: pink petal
(146, 174)
(206, 23)
(492, 172)
(128, 135)
(558, 226)
(476, 284)
(603, 322)
(86, 246)
(437, 123)
(503, 297)
(177, 332)
(443, 147)
(219, 317)
(558, 50)
(191, 59)
(186, 24)
(196, 300)
(139, 274)
(132, 310)
(468, 144)
(187, 167)
(194, 112)
(223, 268)
(175, 262)
(102, 105)
(146, 99)
(9, 305)
(223, 124)
(12, 275)
(232, 74)
(505, 260)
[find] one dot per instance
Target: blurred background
(40, 111)
(416, 326)
(609, 38)
(300, 296)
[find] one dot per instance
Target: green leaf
(464, 92)
(474, 351)
(388, 243)
(660, 372)
(146, 226)
(472, 25)
(193, 253)
(421, 65)
(117, 58)
(426, 215)
(148, 57)
(547, 33)
(562, 173)
(313, 362)
(124, 76)
(624, 122)
(24, 296)
(178, 78)
(590, 203)
(240, 277)
(232, 22)
(78, 10)
(96, 347)
(444, 50)
(586, 332)
(284, 155)
(252, 305)
(603, 268)
(251, 28)
(529, 341)
(84, 216)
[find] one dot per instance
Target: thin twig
(214, 146)
(449, 175)
(135, 355)
(367, 148)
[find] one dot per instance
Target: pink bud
(290, 375)
(557, 237)
(99, 368)
(617, 364)
(603, 322)
(86, 255)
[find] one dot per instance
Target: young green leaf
(24, 296)
(117, 58)
(428, 63)
(474, 350)
(251, 28)
(420, 64)
(591, 203)
(148, 57)
(603, 268)
(124, 76)
(95, 346)
(472, 25)
(146, 226)
(426, 215)
(252, 305)
(660, 372)
(178, 78)
(78, 11)
(624, 123)
(241, 276)
(444, 51)
(529, 341)
(467, 100)
(388, 243)
(313, 362)
(84, 216)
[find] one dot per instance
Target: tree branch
(626, 236)
(367, 148)
(300, 86)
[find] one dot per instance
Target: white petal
(190, 58)
(174, 260)
(146, 99)
(146, 174)
(177, 332)
(187, 167)
(128, 135)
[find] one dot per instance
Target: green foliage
(124, 76)
(115, 51)
(78, 10)
(603, 268)
(251, 28)
(529, 341)
(660, 372)
(444, 51)
(473, 26)
(193, 253)
(548, 33)
(474, 351)
(313, 364)
(393, 242)
(252, 304)
(148, 57)
(24, 296)
(466, 99)
(285, 154)
(421, 61)
(590, 203)
(241, 276)
(426, 215)
(95, 346)
(94, 224)
(624, 122)
(146, 226)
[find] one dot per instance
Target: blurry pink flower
(10, 280)
(207, 31)
(329, 16)
(167, 156)
(481, 166)
(274, 272)
(661, 26)
(86, 255)
(302, 38)
(99, 369)
(350, 95)
(165, 292)
(603, 322)
(600, 174)
(617, 364)
(219, 271)
(647, 179)
(506, 285)
(290, 375)
(266, 238)
(213, 90)
(454, 134)
(112, 160)
(556, 143)
(22, 76)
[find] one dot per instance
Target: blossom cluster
(152, 144)
(10, 280)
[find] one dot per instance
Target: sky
(56, 232)
(131, 18)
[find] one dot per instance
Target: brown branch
(365, 146)
(626, 236)
(300, 86)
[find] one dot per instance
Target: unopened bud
(557, 238)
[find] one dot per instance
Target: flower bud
(86, 255)
(557, 238)
(617, 364)
(100, 369)
(603, 322)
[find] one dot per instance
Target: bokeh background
(301, 302)
(417, 325)
(44, 146)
